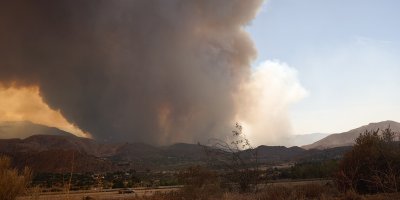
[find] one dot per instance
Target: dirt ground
(288, 190)
(98, 195)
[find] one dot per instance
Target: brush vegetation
(371, 170)
(12, 181)
(373, 165)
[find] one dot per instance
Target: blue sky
(346, 54)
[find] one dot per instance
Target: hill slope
(300, 140)
(24, 129)
(348, 138)
(57, 151)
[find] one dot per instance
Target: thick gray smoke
(155, 71)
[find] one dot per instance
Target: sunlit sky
(346, 54)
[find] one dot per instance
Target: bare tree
(237, 157)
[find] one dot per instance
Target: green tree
(118, 183)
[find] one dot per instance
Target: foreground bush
(12, 182)
(200, 183)
(373, 165)
(270, 192)
(313, 191)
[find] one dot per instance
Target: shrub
(373, 165)
(12, 182)
(276, 193)
(351, 195)
(199, 183)
(310, 191)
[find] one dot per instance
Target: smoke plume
(25, 104)
(150, 71)
(264, 102)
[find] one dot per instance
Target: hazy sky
(346, 54)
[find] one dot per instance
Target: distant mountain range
(58, 153)
(348, 138)
(47, 149)
(304, 139)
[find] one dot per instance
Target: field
(104, 194)
(280, 190)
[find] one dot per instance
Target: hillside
(300, 140)
(61, 161)
(56, 151)
(54, 154)
(277, 154)
(24, 129)
(348, 138)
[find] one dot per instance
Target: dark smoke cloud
(156, 71)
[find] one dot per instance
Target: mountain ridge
(55, 153)
(348, 138)
(25, 129)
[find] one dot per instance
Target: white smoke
(264, 102)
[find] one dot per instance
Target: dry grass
(271, 192)
(12, 182)
(274, 192)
